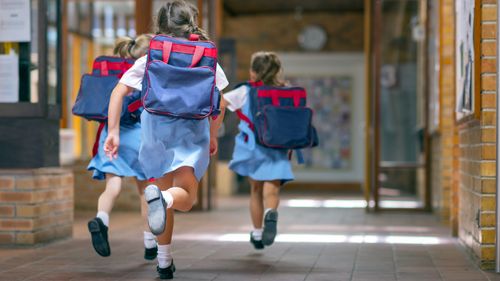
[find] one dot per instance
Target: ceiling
(248, 7)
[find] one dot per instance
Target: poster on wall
(464, 50)
(331, 100)
(9, 77)
(15, 20)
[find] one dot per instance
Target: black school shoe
(257, 244)
(270, 227)
(157, 214)
(150, 254)
(166, 273)
(99, 233)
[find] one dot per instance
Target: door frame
(373, 24)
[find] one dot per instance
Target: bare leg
(271, 202)
(165, 183)
(144, 206)
(184, 192)
(98, 227)
(272, 194)
(256, 203)
(108, 197)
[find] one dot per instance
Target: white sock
(104, 217)
(257, 234)
(164, 256)
(149, 240)
(267, 210)
(167, 196)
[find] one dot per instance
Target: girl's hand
(111, 146)
(214, 146)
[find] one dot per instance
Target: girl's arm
(114, 112)
(215, 125)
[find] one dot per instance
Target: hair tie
(131, 44)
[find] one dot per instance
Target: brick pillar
(478, 148)
(445, 144)
(36, 205)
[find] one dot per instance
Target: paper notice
(9, 77)
(15, 21)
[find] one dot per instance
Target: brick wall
(87, 191)
(477, 153)
(36, 206)
(444, 145)
(280, 33)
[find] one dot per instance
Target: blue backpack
(281, 119)
(179, 80)
(95, 91)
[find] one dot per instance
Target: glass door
(398, 170)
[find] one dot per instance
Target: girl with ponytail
(174, 152)
(266, 168)
(126, 164)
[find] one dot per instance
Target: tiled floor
(324, 241)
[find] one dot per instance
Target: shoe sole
(270, 228)
(98, 241)
(156, 209)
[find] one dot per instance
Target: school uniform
(127, 163)
(249, 158)
(169, 143)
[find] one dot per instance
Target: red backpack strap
(198, 54)
(245, 119)
(184, 49)
(134, 106)
(194, 37)
(95, 148)
(255, 83)
(167, 50)
(104, 68)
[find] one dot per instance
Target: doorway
(397, 134)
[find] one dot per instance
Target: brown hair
(127, 47)
(179, 18)
(267, 67)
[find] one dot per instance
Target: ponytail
(179, 18)
(267, 67)
(127, 47)
(123, 46)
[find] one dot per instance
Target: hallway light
(349, 203)
(325, 238)
(333, 203)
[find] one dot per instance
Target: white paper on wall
(15, 21)
(9, 77)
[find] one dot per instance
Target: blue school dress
(170, 143)
(255, 161)
(127, 163)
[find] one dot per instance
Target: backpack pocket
(285, 127)
(132, 108)
(93, 97)
(179, 91)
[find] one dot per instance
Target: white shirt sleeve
(220, 78)
(236, 98)
(134, 75)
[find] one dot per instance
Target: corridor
(330, 239)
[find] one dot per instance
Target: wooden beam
(199, 4)
(64, 67)
(219, 14)
(143, 16)
(368, 184)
